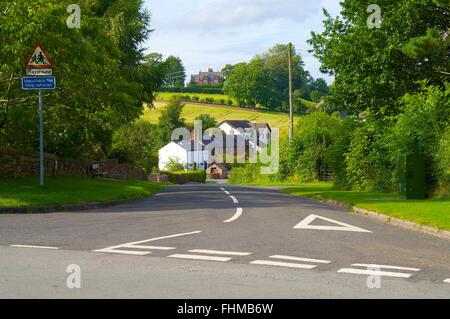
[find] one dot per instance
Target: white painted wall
(177, 152)
(172, 151)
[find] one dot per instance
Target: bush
(193, 89)
(182, 177)
(230, 102)
(195, 98)
(221, 101)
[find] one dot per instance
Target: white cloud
(212, 33)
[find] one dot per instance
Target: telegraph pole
(291, 107)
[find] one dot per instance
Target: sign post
(39, 70)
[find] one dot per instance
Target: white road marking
(238, 214)
(37, 247)
(234, 199)
(149, 247)
(200, 257)
(222, 188)
(385, 266)
(317, 261)
(123, 252)
(218, 252)
(305, 224)
(137, 245)
(281, 264)
(447, 281)
(227, 192)
(373, 272)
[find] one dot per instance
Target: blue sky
(213, 33)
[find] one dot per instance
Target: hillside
(221, 113)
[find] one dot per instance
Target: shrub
(230, 102)
(195, 98)
(182, 177)
(221, 101)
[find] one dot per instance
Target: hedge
(183, 177)
(195, 89)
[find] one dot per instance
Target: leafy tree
(208, 121)
(251, 85)
(97, 68)
(136, 144)
(370, 66)
(275, 61)
(170, 119)
(176, 72)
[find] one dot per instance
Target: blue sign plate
(39, 83)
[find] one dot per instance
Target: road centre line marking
(234, 199)
(447, 281)
(200, 257)
(238, 214)
(373, 273)
(282, 264)
(318, 261)
(37, 247)
(385, 266)
(218, 252)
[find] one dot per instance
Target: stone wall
(15, 164)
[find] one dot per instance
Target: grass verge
(26, 192)
(432, 212)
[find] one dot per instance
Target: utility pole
(41, 142)
(291, 107)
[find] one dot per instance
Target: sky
(213, 33)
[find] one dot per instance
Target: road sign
(39, 72)
(39, 58)
(39, 83)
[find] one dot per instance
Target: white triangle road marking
(306, 224)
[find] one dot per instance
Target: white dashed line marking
(316, 261)
(227, 192)
(218, 252)
(373, 273)
(234, 199)
(238, 214)
(281, 264)
(200, 257)
(385, 266)
(378, 270)
(447, 281)
(36, 247)
(222, 188)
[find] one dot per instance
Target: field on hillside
(191, 111)
(167, 95)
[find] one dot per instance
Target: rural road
(219, 241)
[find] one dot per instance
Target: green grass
(191, 111)
(431, 212)
(26, 192)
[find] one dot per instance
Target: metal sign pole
(41, 140)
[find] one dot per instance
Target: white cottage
(186, 153)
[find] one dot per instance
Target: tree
(136, 144)
(97, 68)
(251, 85)
(208, 121)
(275, 61)
(175, 72)
(370, 66)
(170, 120)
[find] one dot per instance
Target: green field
(167, 95)
(191, 111)
(432, 212)
(26, 192)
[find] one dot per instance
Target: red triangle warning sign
(39, 58)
